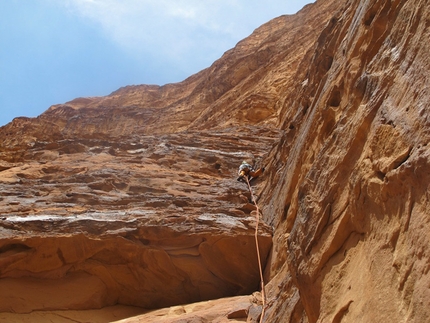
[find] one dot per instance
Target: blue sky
(52, 51)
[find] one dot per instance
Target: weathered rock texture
(225, 310)
(351, 206)
(132, 198)
(150, 223)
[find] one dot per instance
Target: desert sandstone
(127, 208)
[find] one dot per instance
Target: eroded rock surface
(232, 309)
(132, 198)
(352, 213)
(151, 223)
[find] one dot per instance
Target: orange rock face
(351, 205)
(152, 223)
(132, 199)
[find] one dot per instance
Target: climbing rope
(257, 216)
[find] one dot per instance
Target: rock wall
(154, 222)
(351, 200)
(132, 198)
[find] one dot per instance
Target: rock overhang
(151, 262)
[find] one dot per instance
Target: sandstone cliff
(132, 200)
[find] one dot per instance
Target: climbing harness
(257, 216)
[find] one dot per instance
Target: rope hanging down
(257, 216)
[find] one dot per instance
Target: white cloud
(121, 17)
(176, 29)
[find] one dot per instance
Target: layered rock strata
(132, 198)
(351, 205)
(101, 192)
(151, 223)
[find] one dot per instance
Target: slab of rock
(132, 198)
(351, 231)
(223, 310)
(151, 223)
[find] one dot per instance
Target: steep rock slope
(243, 87)
(132, 199)
(350, 201)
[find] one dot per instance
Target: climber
(247, 170)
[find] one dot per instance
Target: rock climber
(245, 169)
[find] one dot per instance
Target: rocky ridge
(131, 199)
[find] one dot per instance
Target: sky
(52, 51)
